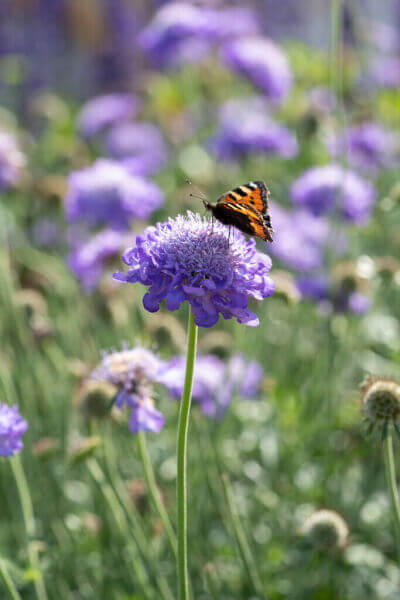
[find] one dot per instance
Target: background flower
(182, 259)
(12, 428)
(12, 161)
(103, 111)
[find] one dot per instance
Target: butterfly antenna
(199, 194)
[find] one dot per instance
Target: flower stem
(29, 523)
(181, 490)
(391, 482)
(241, 539)
(154, 491)
(8, 582)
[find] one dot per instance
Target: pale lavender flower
(367, 146)
(12, 160)
(263, 63)
(107, 194)
(187, 258)
(341, 298)
(139, 146)
(245, 127)
(133, 371)
(386, 71)
(12, 428)
(103, 111)
(88, 259)
(332, 189)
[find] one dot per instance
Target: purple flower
(340, 297)
(314, 287)
(214, 382)
(300, 237)
(140, 146)
(386, 71)
(334, 189)
(12, 161)
(261, 61)
(368, 146)
(358, 303)
(103, 111)
(188, 258)
(87, 261)
(182, 32)
(133, 372)
(246, 128)
(106, 193)
(12, 428)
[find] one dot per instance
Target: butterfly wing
(243, 216)
(254, 195)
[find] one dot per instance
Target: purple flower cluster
(188, 258)
(88, 259)
(133, 373)
(300, 238)
(367, 146)
(12, 428)
(12, 161)
(107, 194)
(139, 146)
(245, 127)
(182, 32)
(321, 289)
(263, 63)
(332, 189)
(215, 382)
(103, 111)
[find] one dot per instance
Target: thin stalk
(8, 582)
(154, 491)
(181, 489)
(241, 539)
(391, 482)
(29, 523)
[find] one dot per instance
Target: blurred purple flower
(106, 193)
(320, 288)
(12, 161)
(358, 303)
(140, 147)
(263, 62)
(386, 71)
(88, 260)
(12, 428)
(246, 128)
(333, 189)
(368, 146)
(314, 287)
(215, 382)
(103, 111)
(133, 371)
(182, 32)
(185, 259)
(300, 238)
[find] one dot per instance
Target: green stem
(391, 482)
(29, 523)
(8, 582)
(154, 491)
(241, 539)
(181, 489)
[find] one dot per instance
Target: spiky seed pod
(381, 400)
(326, 530)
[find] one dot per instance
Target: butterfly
(246, 208)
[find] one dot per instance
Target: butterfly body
(246, 208)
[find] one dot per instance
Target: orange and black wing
(254, 195)
(243, 217)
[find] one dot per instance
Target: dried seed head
(381, 400)
(326, 530)
(94, 398)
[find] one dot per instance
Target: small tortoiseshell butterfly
(246, 208)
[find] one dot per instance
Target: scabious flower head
(88, 260)
(263, 63)
(381, 400)
(246, 128)
(214, 382)
(367, 146)
(12, 161)
(326, 530)
(333, 189)
(106, 193)
(133, 373)
(12, 428)
(187, 258)
(300, 238)
(182, 32)
(103, 111)
(139, 146)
